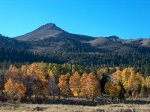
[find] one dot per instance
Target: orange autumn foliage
(64, 85)
(14, 73)
(39, 82)
(83, 85)
(14, 91)
(14, 70)
(92, 86)
(24, 69)
(74, 84)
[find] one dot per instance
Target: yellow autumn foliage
(63, 85)
(112, 89)
(74, 84)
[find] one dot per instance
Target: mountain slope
(45, 31)
(50, 38)
(139, 42)
(50, 30)
(106, 41)
(50, 43)
(12, 43)
(14, 51)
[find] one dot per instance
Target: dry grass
(7, 107)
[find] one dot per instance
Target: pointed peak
(49, 26)
(43, 32)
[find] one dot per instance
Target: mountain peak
(49, 26)
(45, 31)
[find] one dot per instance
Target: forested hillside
(49, 43)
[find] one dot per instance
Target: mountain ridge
(50, 43)
(51, 30)
(51, 38)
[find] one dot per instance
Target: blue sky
(124, 18)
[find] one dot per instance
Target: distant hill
(139, 42)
